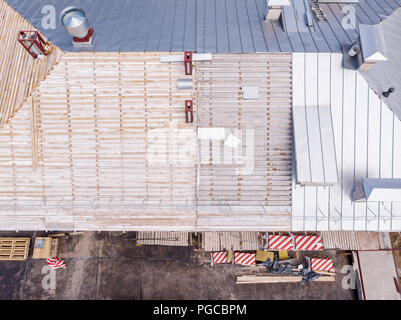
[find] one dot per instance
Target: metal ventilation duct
(75, 22)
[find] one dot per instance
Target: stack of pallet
(163, 238)
(14, 248)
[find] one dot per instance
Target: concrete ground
(110, 266)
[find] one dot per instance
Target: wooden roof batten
(20, 74)
(82, 149)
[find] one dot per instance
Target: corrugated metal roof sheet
(225, 26)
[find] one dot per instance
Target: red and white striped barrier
(244, 258)
(308, 243)
(219, 257)
(56, 263)
(321, 264)
(280, 243)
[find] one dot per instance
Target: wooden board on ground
(249, 279)
(14, 248)
(45, 247)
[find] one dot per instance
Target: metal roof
(385, 74)
(224, 26)
(315, 152)
(367, 141)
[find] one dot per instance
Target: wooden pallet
(14, 248)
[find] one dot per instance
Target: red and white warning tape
(321, 264)
(244, 258)
(308, 243)
(56, 263)
(280, 243)
(219, 257)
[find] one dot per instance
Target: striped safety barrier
(280, 243)
(56, 263)
(219, 257)
(321, 264)
(308, 243)
(244, 258)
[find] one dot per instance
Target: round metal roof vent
(75, 22)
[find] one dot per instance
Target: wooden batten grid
(232, 198)
(20, 74)
(93, 129)
(98, 146)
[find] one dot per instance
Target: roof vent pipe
(77, 25)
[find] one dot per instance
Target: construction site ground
(109, 265)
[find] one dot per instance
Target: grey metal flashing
(221, 26)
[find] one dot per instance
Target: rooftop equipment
(378, 190)
(184, 84)
(388, 92)
(33, 42)
(189, 111)
(372, 46)
(275, 8)
(77, 25)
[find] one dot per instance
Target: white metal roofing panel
(298, 72)
(336, 102)
(348, 148)
(311, 67)
(315, 145)
(361, 147)
(328, 145)
(324, 79)
(361, 123)
(382, 189)
(301, 144)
